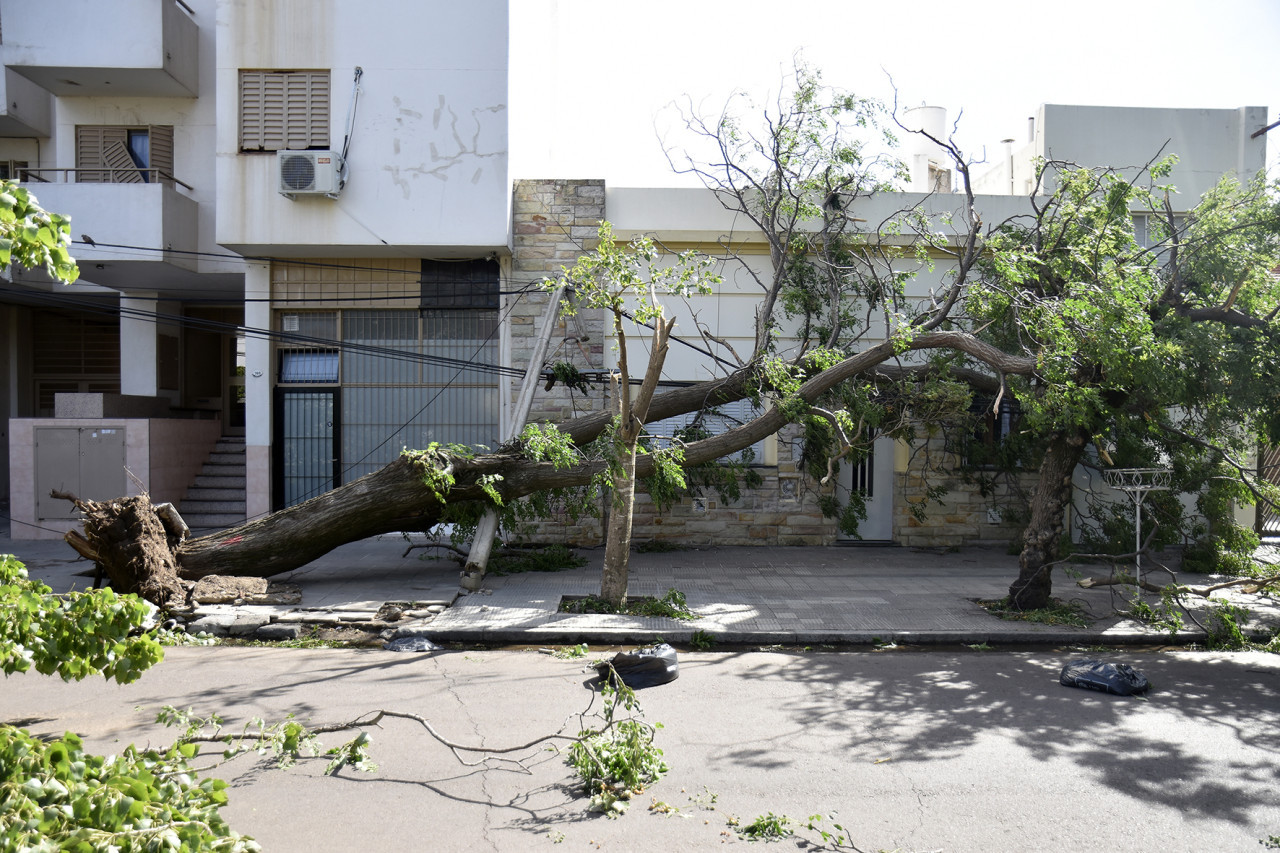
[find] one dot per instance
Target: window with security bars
(284, 110)
(712, 422)
(72, 353)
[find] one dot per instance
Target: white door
(873, 477)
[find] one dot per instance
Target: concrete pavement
(754, 596)
(913, 752)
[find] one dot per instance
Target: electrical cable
(219, 326)
(13, 520)
(352, 466)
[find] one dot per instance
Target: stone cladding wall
(555, 221)
(965, 515)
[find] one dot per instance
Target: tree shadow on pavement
(918, 708)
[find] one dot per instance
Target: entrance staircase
(216, 500)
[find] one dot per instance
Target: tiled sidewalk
(761, 595)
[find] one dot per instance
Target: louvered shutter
(122, 169)
(284, 110)
(92, 142)
(162, 150)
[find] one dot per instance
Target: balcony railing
(102, 175)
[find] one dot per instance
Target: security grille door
(307, 437)
(1269, 471)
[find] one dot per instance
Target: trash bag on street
(644, 667)
(410, 644)
(1115, 678)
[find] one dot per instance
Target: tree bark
(617, 549)
(1049, 503)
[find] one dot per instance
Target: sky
(593, 81)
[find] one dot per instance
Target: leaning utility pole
(487, 528)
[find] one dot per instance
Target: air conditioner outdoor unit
(308, 173)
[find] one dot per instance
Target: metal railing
(102, 175)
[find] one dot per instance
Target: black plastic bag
(643, 667)
(1115, 678)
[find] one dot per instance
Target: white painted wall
(685, 218)
(428, 156)
(1209, 144)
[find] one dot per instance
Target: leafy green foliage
(768, 827)
(1225, 624)
(1057, 613)
(33, 237)
(58, 797)
(672, 605)
(702, 640)
(617, 760)
(617, 278)
(1165, 616)
(284, 742)
(547, 558)
(545, 443)
(433, 463)
(837, 836)
(74, 635)
(571, 652)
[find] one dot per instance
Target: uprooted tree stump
(127, 541)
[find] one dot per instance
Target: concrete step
(220, 480)
(209, 493)
(231, 507)
(202, 523)
(216, 500)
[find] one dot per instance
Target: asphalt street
(913, 751)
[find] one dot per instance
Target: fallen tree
(131, 544)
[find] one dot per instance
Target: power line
(202, 324)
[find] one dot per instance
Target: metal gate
(1269, 470)
(308, 436)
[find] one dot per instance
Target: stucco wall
(428, 154)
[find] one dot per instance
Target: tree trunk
(617, 550)
(1048, 515)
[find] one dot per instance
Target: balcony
(130, 224)
(26, 110)
(132, 48)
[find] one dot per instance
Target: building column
(257, 390)
(138, 345)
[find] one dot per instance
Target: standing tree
(1163, 350)
(613, 278)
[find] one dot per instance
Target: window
(109, 154)
(309, 366)
(989, 445)
(711, 422)
(13, 170)
(460, 285)
(284, 110)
